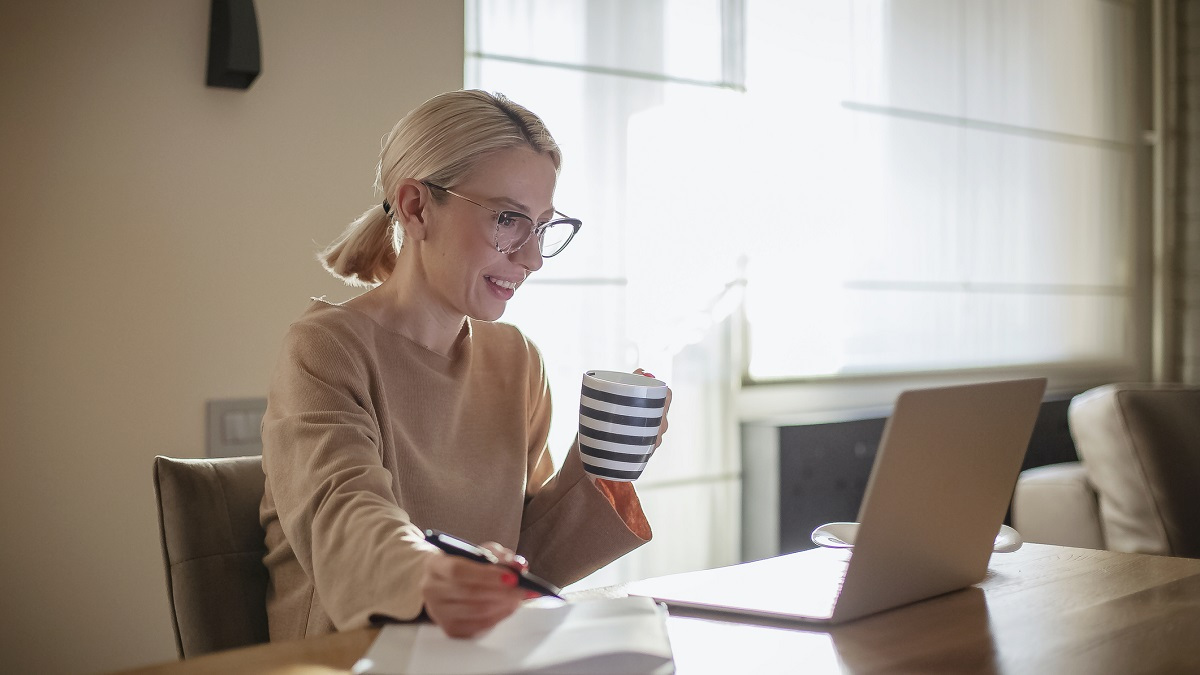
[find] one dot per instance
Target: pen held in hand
(465, 549)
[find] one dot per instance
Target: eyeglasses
(514, 229)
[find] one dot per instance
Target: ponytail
(365, 254)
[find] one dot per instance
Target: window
(866, 187)
(952, 185)
(604, 76)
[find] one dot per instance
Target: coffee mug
(619, 416)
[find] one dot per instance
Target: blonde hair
(440, 141)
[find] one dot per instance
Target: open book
(619, 635)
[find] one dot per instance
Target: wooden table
(1042, 609)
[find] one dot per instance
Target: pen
(465, 549)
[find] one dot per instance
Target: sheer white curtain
(957, 182)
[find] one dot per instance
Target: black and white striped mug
(619, 415)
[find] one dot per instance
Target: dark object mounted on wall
(233, 54)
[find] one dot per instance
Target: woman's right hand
(465, 597)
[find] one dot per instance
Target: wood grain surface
(1041, 609)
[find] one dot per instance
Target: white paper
(619, 635)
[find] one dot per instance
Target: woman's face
(466, 272)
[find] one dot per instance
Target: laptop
(937, 495)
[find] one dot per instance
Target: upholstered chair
(1136, 487)
(212, 547)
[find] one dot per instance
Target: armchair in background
(1136, 487)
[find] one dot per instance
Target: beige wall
(158, 236)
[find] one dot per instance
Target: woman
(405, 408)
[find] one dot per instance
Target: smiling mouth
(510, 285)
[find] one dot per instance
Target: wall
(1187, 183)
(158, 237)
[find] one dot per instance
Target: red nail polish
(509, 579)
(647, 374)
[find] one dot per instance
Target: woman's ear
(411, 200)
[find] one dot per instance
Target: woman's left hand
(662, 427)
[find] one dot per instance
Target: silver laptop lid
(938, 491)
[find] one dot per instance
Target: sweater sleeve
(571, 526)
(335, 500)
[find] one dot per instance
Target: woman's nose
(528, 256)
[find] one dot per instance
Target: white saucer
(841, 535)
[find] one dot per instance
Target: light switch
(235, 427)
(239, 427)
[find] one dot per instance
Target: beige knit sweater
(370, 438)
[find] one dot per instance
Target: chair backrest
(1140, 445)
(213, 547)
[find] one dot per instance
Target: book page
(601, 636)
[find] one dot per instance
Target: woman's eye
(508, 221)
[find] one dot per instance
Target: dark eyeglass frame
(536, 231)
